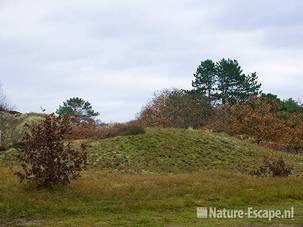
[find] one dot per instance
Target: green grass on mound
(177, 150)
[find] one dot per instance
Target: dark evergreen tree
(225, 82)
(230, 80)
(251, 85)
(205, 79)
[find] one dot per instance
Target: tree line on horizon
(223, 98)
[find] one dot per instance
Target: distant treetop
(78, 108)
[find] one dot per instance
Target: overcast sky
(116, 53)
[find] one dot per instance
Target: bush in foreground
(46, 159)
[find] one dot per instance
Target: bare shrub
(4, 106)
(46, 158)
(176, 109)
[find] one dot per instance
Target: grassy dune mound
(177, 150)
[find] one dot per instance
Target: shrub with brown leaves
(294, 138)
(46, 158)
(258, 120)
(84, 130)
(253, 118)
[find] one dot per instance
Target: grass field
(156, 179)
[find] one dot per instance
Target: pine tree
(224, 81)
(230, 81)
(78, 108)
(251, 85)
(205, 79)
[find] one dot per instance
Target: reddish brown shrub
(253, 118)
(294, 136)
(84, 130)
(226, 119)
(46, 158)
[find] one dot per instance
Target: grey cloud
(281, 21)
(261, 14)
